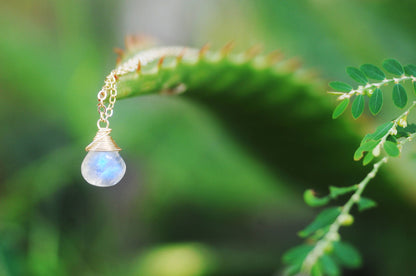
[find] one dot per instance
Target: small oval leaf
(297, 254)
(399, 95)
(368, 158)
(341, 107)
(340, 86)
(357, 106)
(381, 130)
(347, 255)
(369, 145)
(357, 75)
(364, 147)
(376, 101)
(391, 149)
(329, 266)
(312, 200)
(317, 269)
(358, 154)
(338, 191)
(325, 218)
(366, 203)
(410, 70)
(373, 72)
(393, 66)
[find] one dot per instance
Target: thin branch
(332, 235)
(370, 87)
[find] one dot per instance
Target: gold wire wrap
(103, 142)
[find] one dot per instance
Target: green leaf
(393, 66)
(358, 154)
(317, 270)
(366, 203)
(369, 145)
(357, 75)
(414, 86)
(393, 138)
(313, 201)
(346, 255)
(340, 86)
(391, 149)
(297, 254)
(376, 101)
(373, 72)
(399, 95)
(382, 130)
(340, 108)
(357, 106)
(329, 266)
(405, 132)
(292, 270)
(366, 146)
(325, 218)
(337, 191)
(368, 158)
(410, 70)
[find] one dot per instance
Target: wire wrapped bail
(103, 142)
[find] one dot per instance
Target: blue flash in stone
(103, 168)
(103, 165)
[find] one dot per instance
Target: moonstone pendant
(103, 168)
(103, 165)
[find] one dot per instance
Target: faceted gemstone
(103, 168)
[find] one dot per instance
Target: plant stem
(332, 235)
(371, 86)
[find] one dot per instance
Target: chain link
(109, 88)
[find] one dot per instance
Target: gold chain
(109, 90)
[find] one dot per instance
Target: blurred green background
(207, 192)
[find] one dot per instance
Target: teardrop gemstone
(103, 168)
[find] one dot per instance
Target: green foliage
(391, 148)
(347, 255)
(325, 218)
(294, 258)
(366, 203)
(380, 132)
(297, 252)
(340, 86)
(310, 199)
(338, 191)
(341, 254)
(373, 72)
(399, 95)
(368, 158)
(376, 101)
(329, 265)
(367, 146)
(410, 70)
(373, 90)
(405, 131)
(328, 253)
(393, 66)
(358, 106)
(357, 75)
(342, 106)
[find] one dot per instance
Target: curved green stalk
(172, 70)
(344, 218)
(267, 100)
